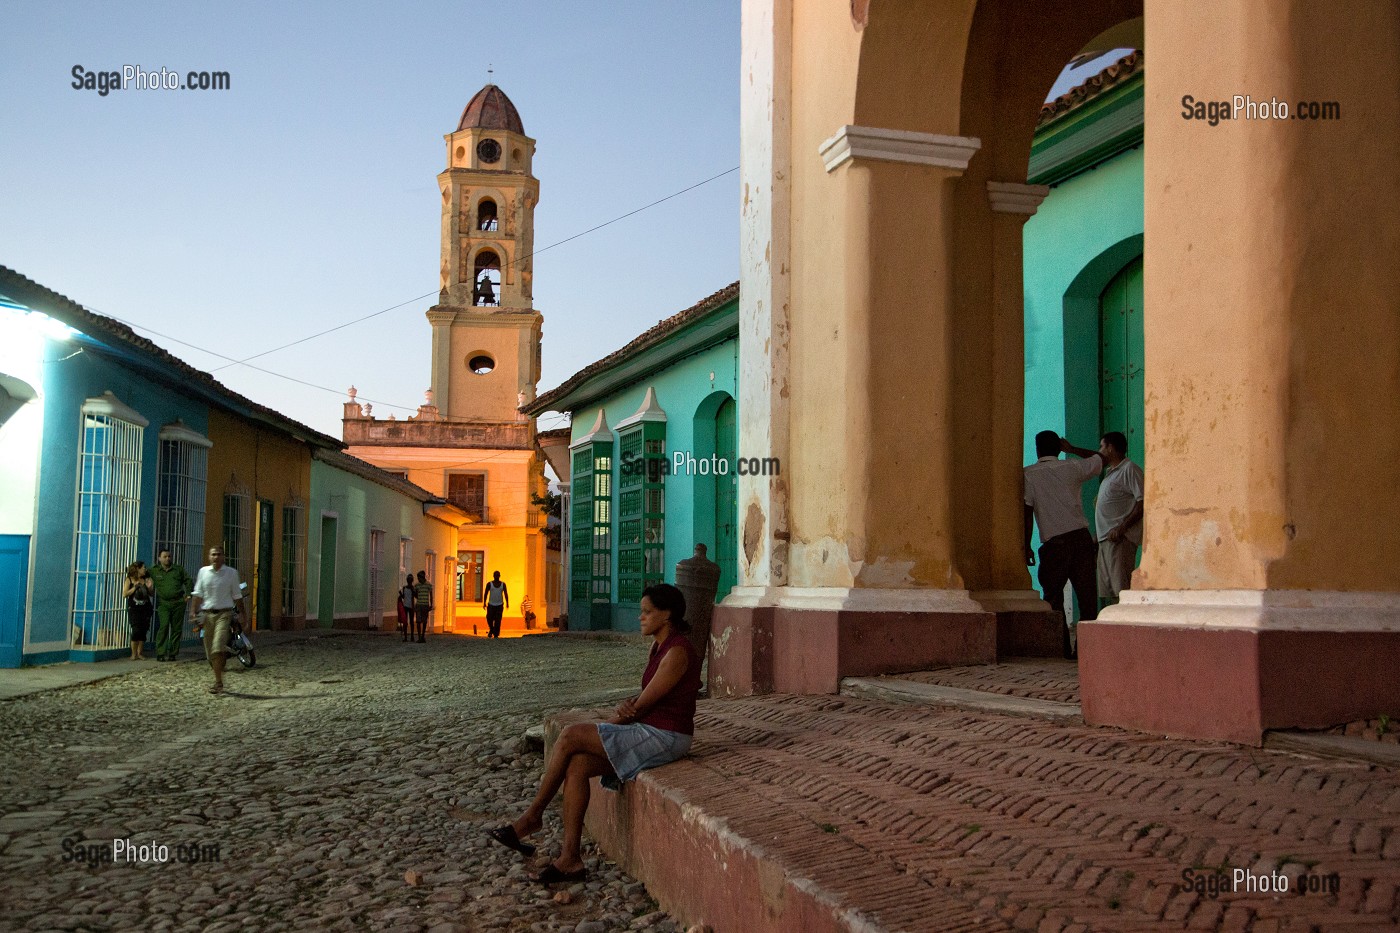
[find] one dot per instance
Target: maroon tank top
(676, 711)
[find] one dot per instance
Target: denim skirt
(636, 746)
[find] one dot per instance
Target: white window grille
(376, 578)
(109, 508)
(293, 557)
(238, 521)
(180, 492)
(405, 556)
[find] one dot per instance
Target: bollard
(698, 580)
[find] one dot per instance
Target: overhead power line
(360, 320)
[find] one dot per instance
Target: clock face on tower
(488, 150)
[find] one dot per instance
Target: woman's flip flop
(506, 836)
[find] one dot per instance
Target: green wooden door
(1121, 358)
(262, 572)
(325, 603)
(727, 498)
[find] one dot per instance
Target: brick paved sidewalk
(907, 818)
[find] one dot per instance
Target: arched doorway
(715, 505)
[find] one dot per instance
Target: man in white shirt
(1067, 549)
(217, 593)
(1118, 516)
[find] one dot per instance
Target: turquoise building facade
(1083, 249)
(652, 461)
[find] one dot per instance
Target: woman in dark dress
(648, 730)
(139, 591)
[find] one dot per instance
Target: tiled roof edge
(652, 336)
(1094, 87)
(121, 332)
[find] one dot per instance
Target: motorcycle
(239, 644)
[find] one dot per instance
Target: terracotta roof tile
(1095, 86)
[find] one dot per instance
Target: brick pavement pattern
(934, 819)
(1035, 678)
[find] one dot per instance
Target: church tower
(486, 331)
(469, 444)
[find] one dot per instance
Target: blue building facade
(104, 454)
(652, 461)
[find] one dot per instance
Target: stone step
(895, 690)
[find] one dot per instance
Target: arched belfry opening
(486, 215)
(486, 274)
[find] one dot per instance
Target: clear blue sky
(305, 195)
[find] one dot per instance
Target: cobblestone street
(347, 782)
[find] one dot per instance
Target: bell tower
(486, 331)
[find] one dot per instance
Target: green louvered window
(591, 565)
(641, 510)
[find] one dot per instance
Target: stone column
(1268, 595)
(742, 659)
(872, 582)
(1025, 625)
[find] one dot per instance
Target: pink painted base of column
(812, 649)
(1234, 682)
(741, 651)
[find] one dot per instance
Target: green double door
(1121, 358)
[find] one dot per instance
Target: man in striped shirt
(422, 604)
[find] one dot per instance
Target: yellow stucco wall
(271, 467)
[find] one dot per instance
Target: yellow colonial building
(469, 443)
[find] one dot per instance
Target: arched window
(487, 276)
(486, 215)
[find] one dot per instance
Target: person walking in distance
(496, 601)
(1067, 550)
(217, 594)
(405, 607)
(422, 605)
(1117, 516)
(173, 587)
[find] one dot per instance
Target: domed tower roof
(491, 109)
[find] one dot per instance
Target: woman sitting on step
(645, 731)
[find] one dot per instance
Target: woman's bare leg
(580, 738)
(583, 767)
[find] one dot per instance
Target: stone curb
(1345, 748)
(894, 690)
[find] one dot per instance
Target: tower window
(481, 364)
(487, 276)
(486, 215)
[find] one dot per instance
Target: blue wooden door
(14, 589)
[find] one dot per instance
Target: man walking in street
(422, 605)
(1118, 516)
(173, 587)
(496, 601)
(218, 594)
(1054, 502)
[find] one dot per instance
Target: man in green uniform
(173, 587)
